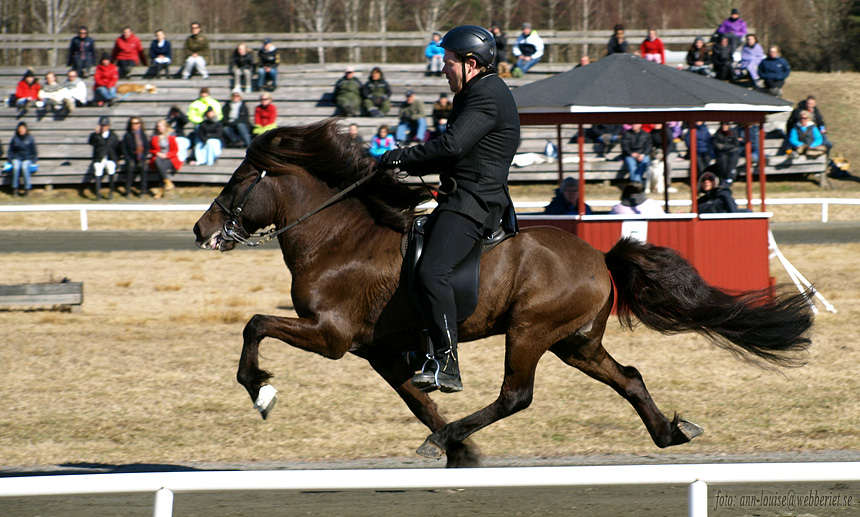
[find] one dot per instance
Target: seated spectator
(652, 48)
(413, 121)
(106, 149)
(634, 201)
(434, 54)
(164, 156)
(734, 28)
(704, 146)
(805, 139)
(699, 58)
(197, 110)
(377, 94)
(23, 157)
(774, 70)
(237, 126)
(355, 138)
(106, 77)
(347, 94)
(51, 95)
(27, 92)
(754, 140)
(605, 136)
(269, 61)
(566, 199)
(160, 56)
(501, 44)
(135, 150)
(177, 120)
(809, 104)
(751, 56)
(441, 112)
(197, 52)
(209, 143)
(669, 130)
(727, 149)
(82, 52)
(636, 148)
(721, 55)
(715, 199)
(528, 49)
(583, 61)
(265, 115)
(618, 42)
(381, 142)
(74, 92)
(127, 52)
(242, 67)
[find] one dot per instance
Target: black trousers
(448, 240)
(727, 162)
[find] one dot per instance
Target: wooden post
(558, 143)
(762, 163)
(666, 170)
(748, 151)
(580, 140)
(694, 180)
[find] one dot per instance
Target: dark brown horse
(544, 289)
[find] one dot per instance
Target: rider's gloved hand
(391, 159)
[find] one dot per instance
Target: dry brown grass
(146, 374)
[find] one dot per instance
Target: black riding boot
(112, 185)
(441, 370)
(98, 187)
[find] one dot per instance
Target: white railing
(165, 484)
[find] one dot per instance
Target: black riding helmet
(471, 41)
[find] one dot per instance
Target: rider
(473, 158)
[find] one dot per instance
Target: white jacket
(532, 39)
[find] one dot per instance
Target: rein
(233, 228)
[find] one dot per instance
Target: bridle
(233, 230)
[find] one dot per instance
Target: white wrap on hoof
(266, 400)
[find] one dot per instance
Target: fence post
(698, 499)
(84, 223)
(163, 503)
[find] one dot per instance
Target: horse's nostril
(197, 231)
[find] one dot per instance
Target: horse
(340, 224)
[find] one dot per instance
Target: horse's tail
(666, 293)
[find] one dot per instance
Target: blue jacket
(22, 148)
(155, 51)
(89, 50)
(704, 142)
(433, 49)
(801, 135)
(774, 68)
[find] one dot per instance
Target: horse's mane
(323, 150)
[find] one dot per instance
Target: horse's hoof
(266, 400)
(430, 450)
(689, 429)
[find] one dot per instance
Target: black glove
(391, 159)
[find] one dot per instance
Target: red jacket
(128, 50)
(265, 116)
(27, 91)
(653, 47)
(106, 75)
(172, 151)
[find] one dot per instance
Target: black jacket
(718, 200)
(128, 148)
(475, 152)
(105, 146)
(210, 129)
(635, 142)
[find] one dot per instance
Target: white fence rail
(697, 476)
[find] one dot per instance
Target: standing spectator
(433, 52)
(704, 146)
(197, 52)
(441, 113)
(413, 122)
(209, 143)
(751, 55)
(634, 201)
(26, 92)
(269, 61)
(51, 94)
(74, 91)
(106, 77)
(727, 149)
(636, 149)
(699, 58)
(501, 44)
(618, 42)
(735, 28)
(106, 149)
(22, 155)
(652, 48)
(805, 138)
(82, 52)
(160, 56)
(127, 52)
(237, 127)
(242, 67)
(809, 104)
(528, 49)
(165, 156)
(381, 142)
(265, 115)
(347, 94)
(716, 198)
(774, 70)
(377, 94)
(566, 199)
(721, 54)
(135, 150)
(197, 109)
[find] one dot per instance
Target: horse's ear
(276, 141)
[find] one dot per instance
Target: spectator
(265, 115)
(164, 156)
(377, 94)
(634, 201)
(160, 56)
(106, 77)
(605, 136)
(381, 142)
(242, 67)
(269, 61)
(237, 127)
(584, 60)
(501, 45)
(347, 94)
(618, 42)
(734, 28)
(51, 94)
(413, 122)
(209, 143)
(197, 110)
(751, 55)
(704, 146)
(177, 120)
(727, 148)
(82, 52)
(74, 92)
(355, 138)
(774, 70)
(721, 54)
(441, 113)
(197, 50)
(809, 104)
(127, 52)
(26, 92)
(636, 148)
(652, 48)
(135, 150)
(106, 149)
(23, 156)
(715, 199)
(754, 140)
(805, 138)
(699, 58)
(566, 199)
(528, 49)
(434, 54)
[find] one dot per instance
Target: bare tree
(351, 22)
(380, 10)
(431, 14)
(315, 16)
(53, 16)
